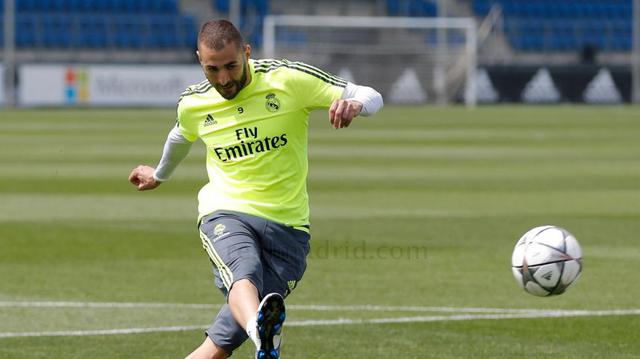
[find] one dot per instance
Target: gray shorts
(240, 246)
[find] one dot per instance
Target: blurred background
(63, 52)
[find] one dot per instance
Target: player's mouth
(228, 90)
(227, 87)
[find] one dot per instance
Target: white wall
(104, 85)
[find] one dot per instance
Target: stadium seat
(116, 6)
(187, 31)
(480, 7)
(393, 7)
(25, 31)
(422, 8)
(56, 31)
(222, 6)
(564, 25)
(128, 31)
(22, 6)
(252, 17)
(162, 32)
(411, 8)
(162, 7)
(105, 23)
(291, 37)
(92, 32)
(622, 35)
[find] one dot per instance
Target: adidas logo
(547, 276)
(210, 121)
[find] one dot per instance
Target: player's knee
(208, 350)
(245, 284)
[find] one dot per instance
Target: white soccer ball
(546, 261)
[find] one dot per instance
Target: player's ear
(198, 54)
(247, 50)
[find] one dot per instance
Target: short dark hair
(216, 34)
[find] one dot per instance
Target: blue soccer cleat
(271, 316)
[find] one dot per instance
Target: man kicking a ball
(252, 116)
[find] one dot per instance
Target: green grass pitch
(414, 215)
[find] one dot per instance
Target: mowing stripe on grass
(71, 304)
(300, 307)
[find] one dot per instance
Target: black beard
(239, 85)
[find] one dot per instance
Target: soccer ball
(546, 261)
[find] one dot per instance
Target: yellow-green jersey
(256, 143)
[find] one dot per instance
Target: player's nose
(223, 78)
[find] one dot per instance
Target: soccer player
(252, 116)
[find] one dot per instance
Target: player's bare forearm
(343, 111)
(142, 178)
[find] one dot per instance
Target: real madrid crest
(272, 104)
(219, 229)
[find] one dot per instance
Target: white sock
(252, 331)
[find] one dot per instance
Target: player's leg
(233, 248)
(284, 252)
(243, 301)
(263, 320)
(208, 350)
(225, 332)
(284, 257)
(234, 243)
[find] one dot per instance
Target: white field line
(81, 333)
(462, 317)
(346, 321)
(380, 308)
(300, 307)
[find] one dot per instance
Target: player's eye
(230, 66)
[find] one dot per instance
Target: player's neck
(249, 77)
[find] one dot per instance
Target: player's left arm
(355, 100)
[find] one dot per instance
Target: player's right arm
(142, 178)
(175, 150)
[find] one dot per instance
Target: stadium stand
(96, 24)
(252, 13)
(567, 25)
(417, 8)
(153, 24)
(530, 26)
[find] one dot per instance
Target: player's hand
(142, 178)
(342, 112)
